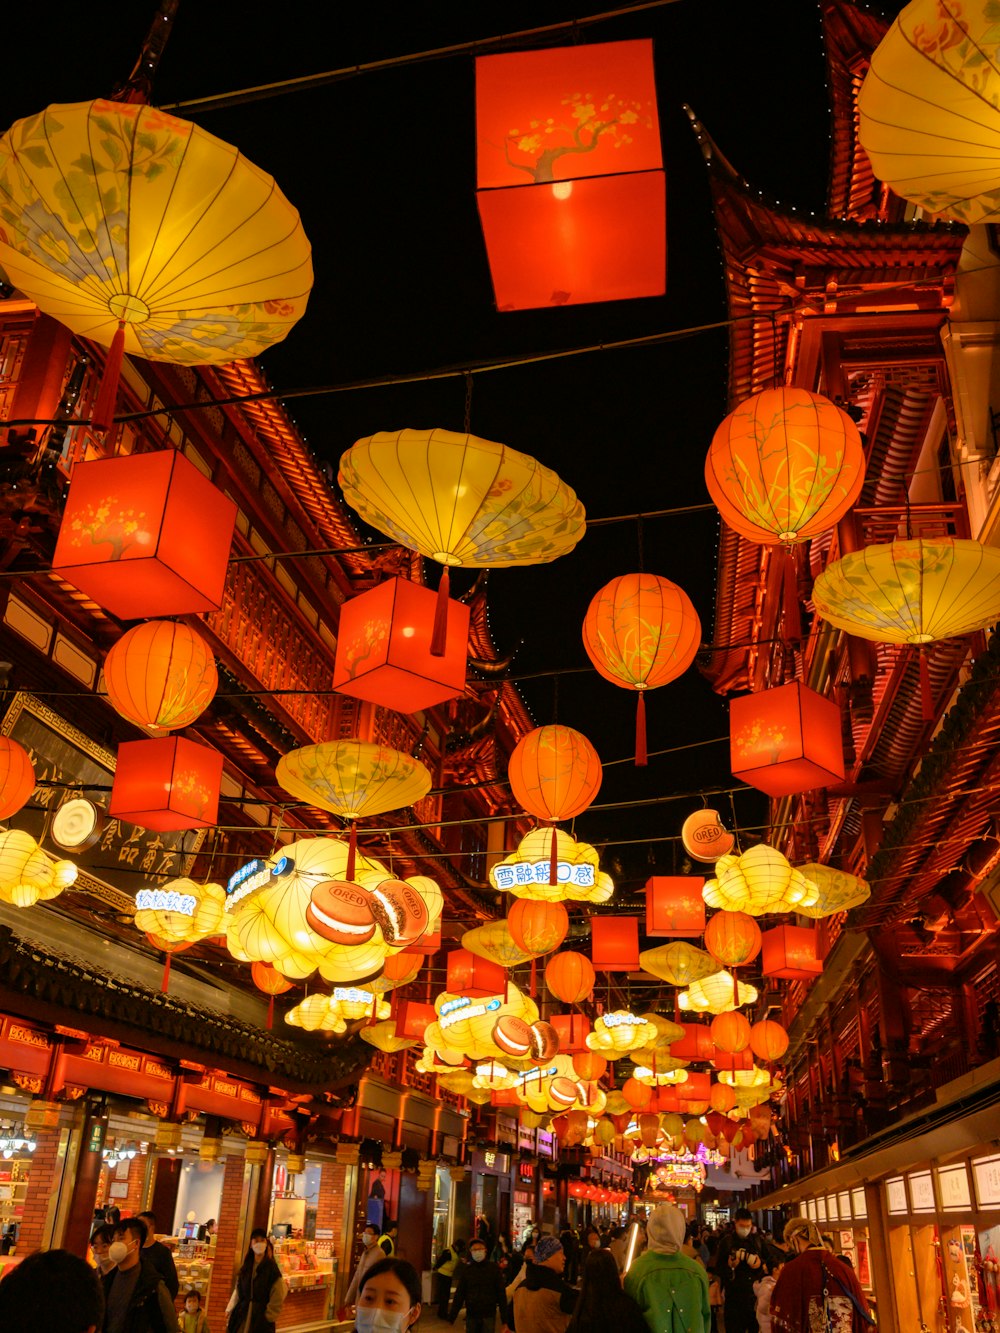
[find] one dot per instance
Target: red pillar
(80, 1220)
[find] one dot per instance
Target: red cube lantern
(697, 1087)
(505, 1097)
(732, 1060)
(384, 648)
(413, 1018)
(145, 535)
(674, 906)
(696, 1044)
(572, 1030)
(429, 943)
(791, 952)
(786, 740)
(614, 943)
(166, 784)
(571, 189)
(468, 974)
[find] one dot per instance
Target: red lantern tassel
(352, 847)
(926, 693)
(677, 1006)
(641, 758)
(533, 989)
(790, 591)
(554, 860)
(107, 394)
(165, 983)
(439, 634)
(374, 1014)
(736, 990)
(270, 1013)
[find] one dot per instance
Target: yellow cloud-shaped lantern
(333, 1012)
(526, 871)
(759, 882)
(439, 1062)
(838, 891)
(665, 1062)
(383, 1037)
(27, 873)
(662, 1078)
(465, 1023)
(717, 994)
(755, 1077)
(678, 963)
(667, 1031)
(494, 1076)
(620, 1031)
(182, 911)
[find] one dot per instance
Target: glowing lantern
(638, 1095)
(614, 943)
(474, 976)
(414, 1018)
(527, 872)
(571, 189)
(384, 648)
(430, 940)
(27, 873)
(537, 927)
(790, 952)
(732, 1060)
(333, 1013)
(696, 1044)
(620, 1031)
(674, 905)
(494, 942)
(17, 777)
(604, 1132)
(555, 773)
(649, 1129)
(166, 784)
(717, 994)
(272, 983)
(641, 632)
(704, 837)
(784, 466)
(759, 881)
(786, 740)
(928, 117)
(768, 1040)
(160, 675)
(573, 1030)
(672, 1125)
(570, 977)
(730, 1032)
(678, 964)
(182, 911)
(838, 891)
(694, 1132)
(733, 938)
(400, 969)
(722, 1097)
(385, 1037)
(590, 1067)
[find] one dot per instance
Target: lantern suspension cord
(265, 91)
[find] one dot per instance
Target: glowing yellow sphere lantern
(758, 882)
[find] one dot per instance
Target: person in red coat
(816, 1292)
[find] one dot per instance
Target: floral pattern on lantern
(570, 976)
(353, 778)
(555, 773)
(733, 938)
(537, 927)
(494, 942)
(678, 964)
(160, 675)
(674, 906)
(786, 740)
(838, 891)
(333, 1013)
(768, 1040)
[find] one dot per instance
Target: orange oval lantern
(649, 1129)
(17, 777)
(569, 976)
(589, 1066)
(537, 927)
(733, 938)
(555, 773)
(269, 979)
(721, 1098)
(160, 675)
(730, 1032)
(401, 966)
(641, 631)
(637, 1094)
(704, 836)
(768, 1040)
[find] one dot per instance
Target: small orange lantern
(537, 927)
(166, 784)
(791, 952)
(414, 1018)
(786, 740)
(570, 977)
(573, 1030)
(722, 1098)
(638, 1095)
(400, 966)
(555, 773)
(614, 943)
(272, 983)
(160, 675)
(473, 976)
(674, 906)
(571, 189)
(589, 1066)
(649, 1129)
(384, 648)
(733, 938)
(145, 535)
(730, 1032)
(17, 777)
(768, 1040)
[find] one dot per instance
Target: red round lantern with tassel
(589, 1066)
(570, 976)
(537, 927)
(730, 1032)
(17, 777)
(733, 938)
(272, 983)
(554, 773)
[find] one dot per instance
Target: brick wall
(304, 1307)
(135, 1203)
(43, 1184)
(229, 1235)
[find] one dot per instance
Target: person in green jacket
(670, 1289)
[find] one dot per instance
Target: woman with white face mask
(389, 1298)
(260, 1289)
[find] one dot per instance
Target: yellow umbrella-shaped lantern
(461, 501)
(383, 1036)
(838, 890)
(494, 942)
(678, 963)
(148, 235)
(353, 779)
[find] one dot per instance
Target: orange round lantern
(537, 927)
(733, 938)
(160, 675)
(649, 1129)
(269, 979)
(555, 773)
(589, 1066)
(641, 631)
(722, 1098)
(569, 976)
(730, 1032)
(399, 966)
(17, 777)
(637, 1094)
(768, 1040)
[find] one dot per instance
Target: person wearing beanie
(544, 1302)
(669, 1288)
(741, 1260)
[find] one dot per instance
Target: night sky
(382, 169)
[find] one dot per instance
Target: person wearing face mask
(194, 1318)
(135, 1297)
(444, 1270)
(669, 1287)
(814, 1289)
(370, 1256)
(260, 1289)
(480, 1289)
(739, 1262)
(99, 1243)
(389, 1299)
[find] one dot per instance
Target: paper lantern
(160, 675)
(732, 1060)
(589, 1066)
(413, 1019)
(269, 979)
(730, 1032)
(636, 1094)
(694, 1132)
(27, 873)
(385, 1037)
(384, 648)
(473, 976)
(649, 1129)
(571, 189)
(166, 784)
(494, 942)
(555, 773)
(696, 1044)
(614, 943)
(401, 968)
(573, 1030)
(784, 466)
(704, 837)
(759, 881)
(17, 777)
(527, 871)
(182, 911)
(717, 994)
(640, 632)
(674, 905)
(570, 977)
(537, 927)
(838, 891)
(768, 1040)
(928, 110)
(733, 938)
(722, 1098)
(353, 778)
(145, 535)
(430, 940)
(620, 1031)
(678, 964)
(604, 1132)
(791, 952)
(786, 740)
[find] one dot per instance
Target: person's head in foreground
(52, 1289)
(389, 1298)
(549, 1253)
(801, 1235)
(665, 1229)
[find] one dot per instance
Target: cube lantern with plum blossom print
(145, 535)
(791, 952)
(166, 784)
(571, 189)
(786, 740)
(674, 906)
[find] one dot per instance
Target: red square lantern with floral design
(614, 943)
(384, 648)
(791, 952)
(166, 784)
(786, 740)
(145, 535)
(468, 974)
(674, 906)
(573, 1030)
(726, 1060)
(696, 1044)
(414, 1018)
(570, 178)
